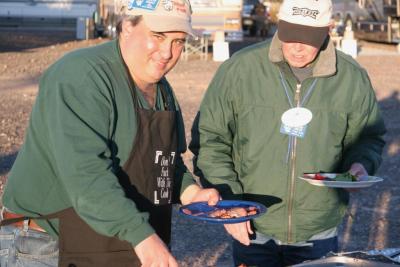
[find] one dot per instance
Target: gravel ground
(373, 216)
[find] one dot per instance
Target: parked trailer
(211, 16)
(87, 17)
(372, 20)
(385, 23)
(98, 17)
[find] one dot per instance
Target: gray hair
(134, 20)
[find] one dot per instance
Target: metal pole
(398, 7)
(87, 28)
(389, 29)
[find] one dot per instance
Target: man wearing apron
(101, 166)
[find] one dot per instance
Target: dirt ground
(373, 216)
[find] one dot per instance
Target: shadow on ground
(6, 161)
(379, 204)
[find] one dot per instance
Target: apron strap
(169, 102)
(54, 215)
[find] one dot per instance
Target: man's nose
(298, 46)
(166, 50)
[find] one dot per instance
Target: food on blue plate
(187, 211)
(235, 212)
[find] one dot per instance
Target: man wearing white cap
(94, 182)
(279, 109)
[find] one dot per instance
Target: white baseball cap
(304, 21)
(159, 15)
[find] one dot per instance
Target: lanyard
(305, 98)
(302, 101)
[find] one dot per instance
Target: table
(197, 46)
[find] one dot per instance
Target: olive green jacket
(241, 151)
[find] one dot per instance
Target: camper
(211, 16)
(88, 18)
(255, 18)
(372, 20)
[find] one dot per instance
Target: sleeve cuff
(187, 180)
(140, 234)
(368, 165)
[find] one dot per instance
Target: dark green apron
(147, 178)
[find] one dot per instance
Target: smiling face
(149, 55)
(299, 55)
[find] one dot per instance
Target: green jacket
(66, 159)
(241, 151)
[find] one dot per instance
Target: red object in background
(318, 176)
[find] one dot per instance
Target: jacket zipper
(292, 170)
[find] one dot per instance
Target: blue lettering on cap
(143, 4)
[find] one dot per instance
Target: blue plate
(202, 211)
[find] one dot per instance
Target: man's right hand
(152, 252)
(240, 231)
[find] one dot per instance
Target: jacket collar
(325, 63)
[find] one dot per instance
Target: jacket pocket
(319, 207)
(257, 139)
(323, 146)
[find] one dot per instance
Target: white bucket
(220, 51)
(349, 46)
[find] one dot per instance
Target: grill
(373, 258)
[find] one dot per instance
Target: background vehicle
(374, 20)
(87, 18)
(91, 18)
(211, 16)
(255, 18)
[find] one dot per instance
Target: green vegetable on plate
(346, 177)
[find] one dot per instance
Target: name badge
(294, 122)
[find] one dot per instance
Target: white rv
(374, 20)
(86, 17)
(213, 16)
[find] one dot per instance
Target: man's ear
(126, 27)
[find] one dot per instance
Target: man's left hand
(194, 193)
(358, 170)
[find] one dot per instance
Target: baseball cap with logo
(304, 21)
(159, 15)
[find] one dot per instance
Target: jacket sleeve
(79, 114)
(364, 138)
(213, 134)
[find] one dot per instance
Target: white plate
(364, 181)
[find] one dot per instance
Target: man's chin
(158, 73)
(298, 64)
(156, 78)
